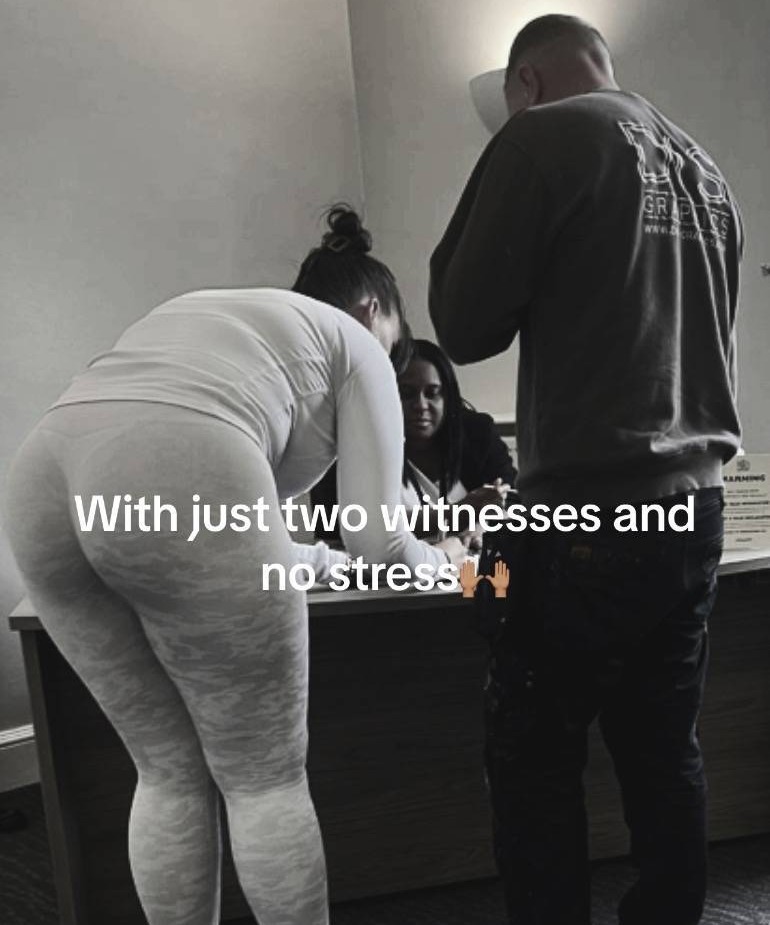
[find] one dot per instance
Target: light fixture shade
(489, 100)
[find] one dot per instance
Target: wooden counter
(395, 748)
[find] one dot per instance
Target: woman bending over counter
(232, 396)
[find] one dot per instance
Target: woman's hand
(487, 494)
(456, 550)
(473, 540)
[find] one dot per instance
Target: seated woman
(451, 450)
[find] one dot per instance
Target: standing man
(607, 239)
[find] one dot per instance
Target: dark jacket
(485, 456)
(608, 240)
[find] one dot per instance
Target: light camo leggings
(203, 674)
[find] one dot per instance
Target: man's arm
(484, 270)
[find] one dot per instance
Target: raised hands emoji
(499, 578)
(469, 580)
(468, 577)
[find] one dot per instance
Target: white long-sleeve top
(307, 382)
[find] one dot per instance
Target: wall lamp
(487, 96)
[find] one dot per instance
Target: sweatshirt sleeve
(320, 557)
(484, 270)
(370, 446)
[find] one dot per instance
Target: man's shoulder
(594, 109)
(561, 129)
(591, 128)
(592, 114)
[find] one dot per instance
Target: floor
(739, 892)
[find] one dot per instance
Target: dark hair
(450, 433)
(341, 272)
(547, 29)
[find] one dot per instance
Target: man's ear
(530, 80)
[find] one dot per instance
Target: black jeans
(610, 625)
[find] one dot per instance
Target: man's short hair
(546, 29)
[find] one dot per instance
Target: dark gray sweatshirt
(608, 240)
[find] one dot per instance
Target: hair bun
(346, 232)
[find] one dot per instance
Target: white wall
(704, 62)
(149, 149)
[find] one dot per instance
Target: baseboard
(18, 758)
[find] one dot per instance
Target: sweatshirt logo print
(683, 192)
